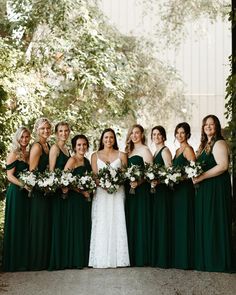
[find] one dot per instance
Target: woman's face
(157, 137)
(180, 135)
(81, 146)
(210, 127)
(25, 139)
(44, 131)
(136, 135)
(63, 132)
(108, 139)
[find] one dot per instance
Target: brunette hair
(161, 130)
(204, 140)
(101, 145)
(186, 128)
(76, 137)
(61, 123)
(129, 143)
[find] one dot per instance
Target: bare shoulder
(123, 155)
(220, 145)
(71, 163)
(36, 147)
(54, 149)
(12, 156)
(166, 151)
(94, 155)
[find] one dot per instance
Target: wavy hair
(76, 137)
(16, 147)
(204, 144)
(40, 122)
(129, 143)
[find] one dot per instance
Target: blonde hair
(40, 122)
(129, 143)
(16, 147)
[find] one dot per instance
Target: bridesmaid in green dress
(16, 227)
(183, 204)
(79, 209)
(213, 201)
(40, 207)
(161, 209)
(58, 156)
(138, 206)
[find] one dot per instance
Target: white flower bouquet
(110, 178)
(151, 172)
(48, 181)
(66, 179)
(86, 183)
(170, 175)
(133, 173)
(194, 169)
(29, 179)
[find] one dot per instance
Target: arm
(147, 156)
(69, 166)
(94, 163)
(221, 155)
(167, 157)
(35, 153)
(10, 173)
(53, 154)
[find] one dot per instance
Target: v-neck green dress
(183, 220)
(138, 219)
(16, 226)
(161, 222)
(59, 222)
(40, 224)
(213, 220)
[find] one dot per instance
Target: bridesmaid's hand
(65, 190)
(198, 179)
(86, 194)
(154, 183)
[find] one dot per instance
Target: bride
(109, 246)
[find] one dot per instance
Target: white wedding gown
(109, 245)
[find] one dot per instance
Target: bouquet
(110, 178)
(151, 172)
(170, 175)
(48, 181)
(133, 173)
(66, 179)
(29, 179)
(194, 169)
(86, 183)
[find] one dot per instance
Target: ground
(121, 281)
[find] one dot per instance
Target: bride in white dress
(109, 245)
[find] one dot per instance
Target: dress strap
(12, 165)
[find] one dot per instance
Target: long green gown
(138, 220)
(16, 227)
(161, 223)
(40, 224)
(59, 222)
(78, 225)
(183, 220)
(213, 220)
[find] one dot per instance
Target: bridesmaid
(213, 201)
(40, 210)
(161, 209)
(138, 206)
(183, 198)
(79, 209)
(58, 156)
(16, 227)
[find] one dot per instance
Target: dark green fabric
(213, 220)
(138, 219)
(161, 223)
(40, 224)
(183, 220)
(16, 226)
(59, 222)
(77, 234)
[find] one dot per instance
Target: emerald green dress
(183, 220)
(16, 227)
(138, 220)
(59, 222)
(78, 225)
(161, 222)
(40, 224)
(213, 220)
